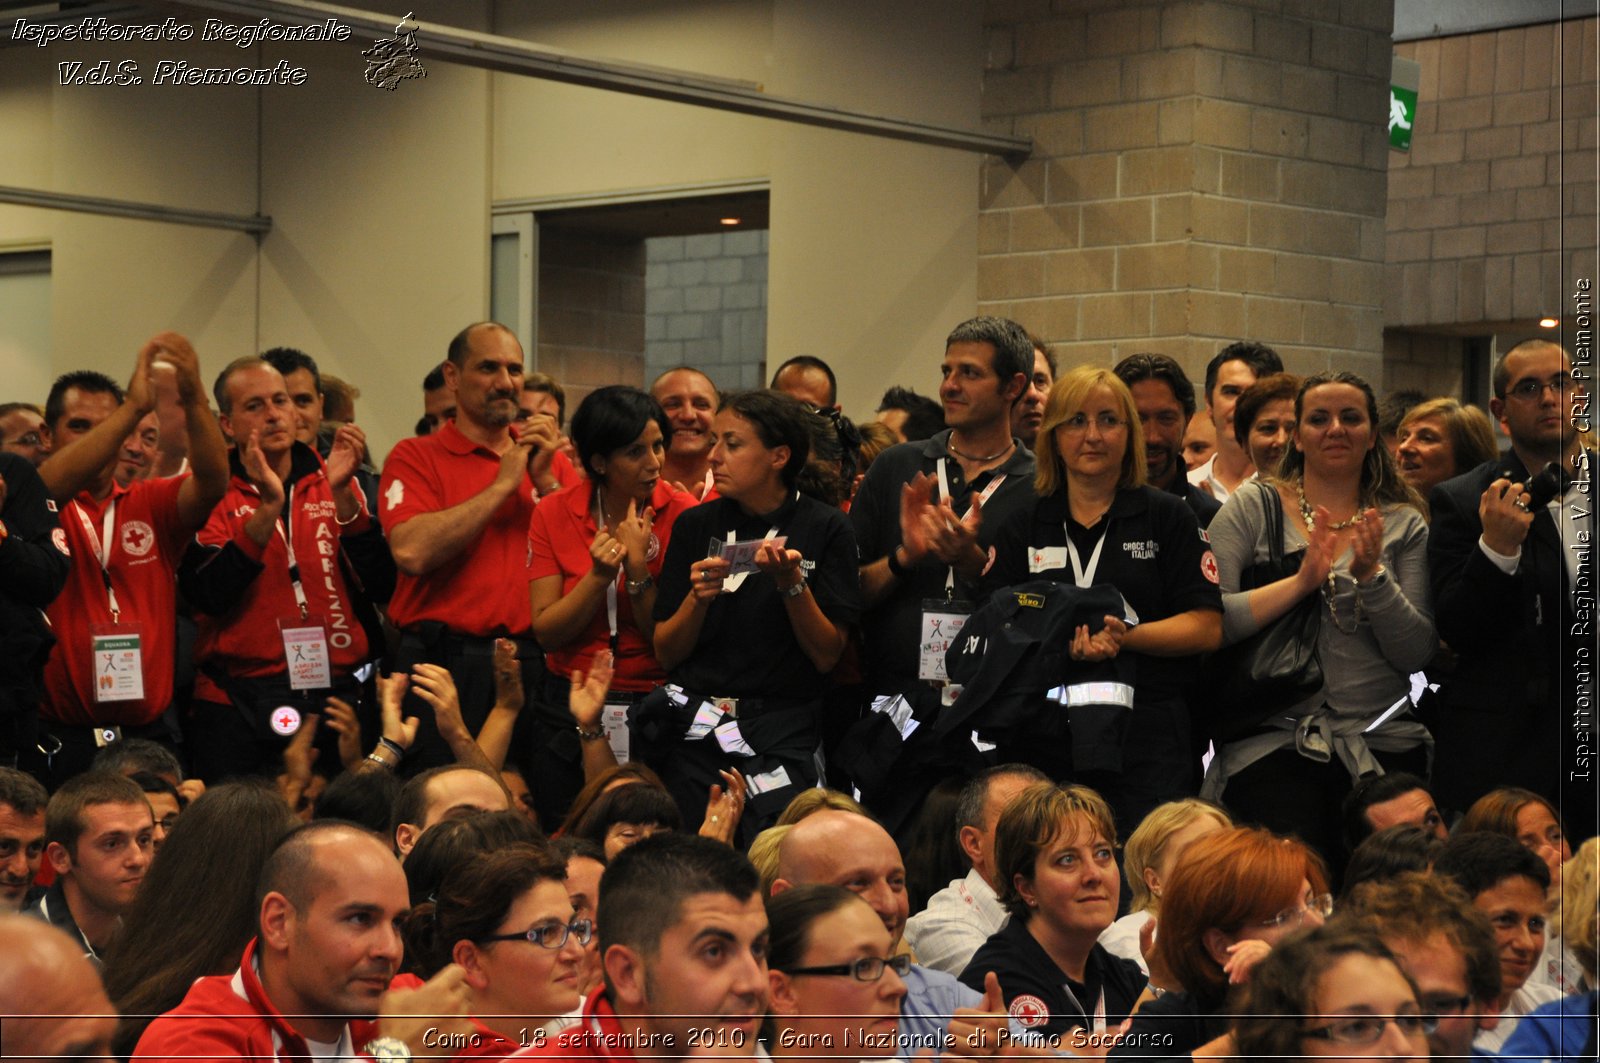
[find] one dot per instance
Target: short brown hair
(1031, 822)
(1415, 906)
(64, 815)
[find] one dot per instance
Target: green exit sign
(1402, 112)
(1405, 77)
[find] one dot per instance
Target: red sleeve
(162, 497)
(408, 486)
(542, 560)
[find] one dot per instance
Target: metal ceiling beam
(512, 56)
(122, 208)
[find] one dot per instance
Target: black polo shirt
(893, 627)
(747, 647)
(1154, 554)
(1039, 995)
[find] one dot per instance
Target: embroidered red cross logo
(286, 721)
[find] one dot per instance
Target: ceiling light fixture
(729, 221)
(1548, 322)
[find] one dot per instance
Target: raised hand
(1321, 548)
(508, 692)
(587, 699)
(724, 807)
(781, 564)
(916, 499)
(349, 443)
(706, 576)
(399, 729)
(1506, 518)
(342, 719)
(260, 471)
(1367, 546)
(633, 531)
(606, 554)
(434, 684)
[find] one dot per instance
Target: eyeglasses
(866, 969)
(1366, 1029)
(1442, 1004)
(1533, 388)
(1079, 422)
(551, 935)
(1322, 904)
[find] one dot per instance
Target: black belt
(432, 637)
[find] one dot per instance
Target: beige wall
(381, 201)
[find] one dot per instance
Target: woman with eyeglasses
(1056, 873)
(1333, 994)
(1358, 532)
(1229, 901)
(835, 984)
(1096, 522)
(506, 918)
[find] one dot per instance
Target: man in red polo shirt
(110, 674)
(455, 505)
(278, 575)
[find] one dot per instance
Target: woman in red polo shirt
(595, 552)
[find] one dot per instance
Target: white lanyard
(1081, 576)
(711, 481)
(285, 528)
(983, 499)
(101, 545)
(622, 571)
(1097, 1022)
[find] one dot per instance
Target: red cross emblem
(1029, 1011)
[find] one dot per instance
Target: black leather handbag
(1275, 669)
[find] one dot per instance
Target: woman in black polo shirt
(1056, 872)
(1095, 523)
(748, 652)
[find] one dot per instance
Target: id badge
(305, 650)
(942, 621)
(614, 718)
(118, 660)
(1046, 559)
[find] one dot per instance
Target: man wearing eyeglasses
(23, 432)
(1509, 600)
(314, 982)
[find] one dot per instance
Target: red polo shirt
(558, 545)
(475, 592)
(147, 542)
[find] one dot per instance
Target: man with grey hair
(960, 917)
(924, 519)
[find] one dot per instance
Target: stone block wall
(591, 310)
(706, 306)
(1203, 172)
(1492, 213)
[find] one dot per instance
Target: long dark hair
(196, 909)
(1381, 483)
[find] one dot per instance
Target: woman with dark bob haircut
(757, 593)
(595, 553)
(505, 917)
(197, 907)
(1056, 873)
(627, 815)
(1229, 901)
(1331, 994)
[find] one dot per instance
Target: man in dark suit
(1513, 596)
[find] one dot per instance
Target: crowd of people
(1076, 711)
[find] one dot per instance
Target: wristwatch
(387, 1048)
(591, 736)
(794, 592)
(639, 586)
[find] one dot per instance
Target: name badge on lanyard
(741, 556)
(305, 651)
(614, 718)
(118, 662)
(942, 621)
(116, 648)
(305, 637)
